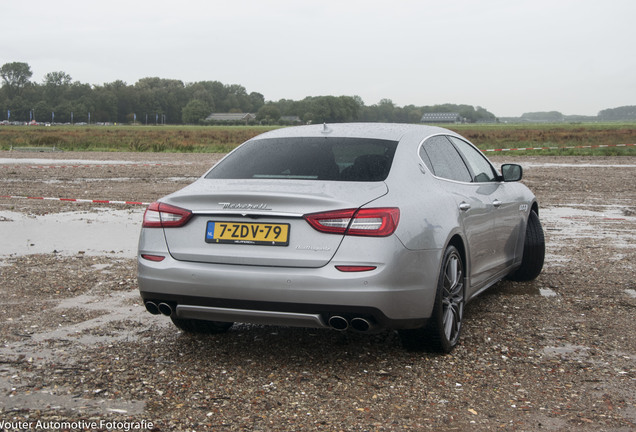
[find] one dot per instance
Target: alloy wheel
(453, 297)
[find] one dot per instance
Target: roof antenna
(325, 128)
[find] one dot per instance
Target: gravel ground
(555, 354)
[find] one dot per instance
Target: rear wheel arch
(442, 330)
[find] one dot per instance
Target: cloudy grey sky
(508, 56)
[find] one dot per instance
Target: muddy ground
(76, 344)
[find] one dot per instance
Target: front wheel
(443, 328)
(533, 251)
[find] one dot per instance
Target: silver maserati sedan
(359, 227)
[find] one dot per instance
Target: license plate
(247, 233)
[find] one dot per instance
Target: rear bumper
(399, 294)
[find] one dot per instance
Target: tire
(201, 326)
(533, 251)
(441, 333)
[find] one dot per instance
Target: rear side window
(328, 158)
(481, 169)
(439, 154)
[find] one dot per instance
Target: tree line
(624, 113)
(154, 100)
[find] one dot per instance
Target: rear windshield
(328, 158)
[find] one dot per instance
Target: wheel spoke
(452, 319)
(449, 323)
(453, 298)
(451, 272)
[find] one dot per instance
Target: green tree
(257, 101)
(57, 79)
(42, 112)
(386, 111)
(56, 84)
(543, 117)
(624, 113)
(127, 100)
(268, 114)
(15, 77)
(105, 105)
(202, 91)
(195, 112)
(163, 97)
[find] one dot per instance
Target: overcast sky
(508, 56)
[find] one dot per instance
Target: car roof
(388, 131)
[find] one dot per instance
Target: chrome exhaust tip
(165, 309)
(360, 324)
(339, 323)
(152, 307)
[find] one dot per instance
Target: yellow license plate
(247, 233)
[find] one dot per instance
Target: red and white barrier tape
(558, 148)
(77, 200)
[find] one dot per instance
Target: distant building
(441, 118)
(230, 118)
(290, 119)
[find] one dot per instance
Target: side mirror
(511, 172)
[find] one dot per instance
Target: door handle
(464, 206)
(496, 203)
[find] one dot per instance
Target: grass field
(221, 139)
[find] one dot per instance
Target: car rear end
(295, 231)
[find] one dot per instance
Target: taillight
(372, 222)
(161, 215)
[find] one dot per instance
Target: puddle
(532, 290)
(57, 400)
(117, 308)
(573, 352)
(58, 348)
(547, 292)
(613, 222)
(98, 232)
(578, 211)
(552, 260)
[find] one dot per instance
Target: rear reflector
(372, 222)
(351, 269)
(155, 258)
(160, 215)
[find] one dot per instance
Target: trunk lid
(236, 221)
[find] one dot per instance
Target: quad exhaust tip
(338, 323)
(165, 309)
(152, 307)
(359, 324)
(161, 308)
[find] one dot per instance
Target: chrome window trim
(423, 164)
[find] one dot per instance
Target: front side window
(324, 158)
(444, 159)
(481, 170)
